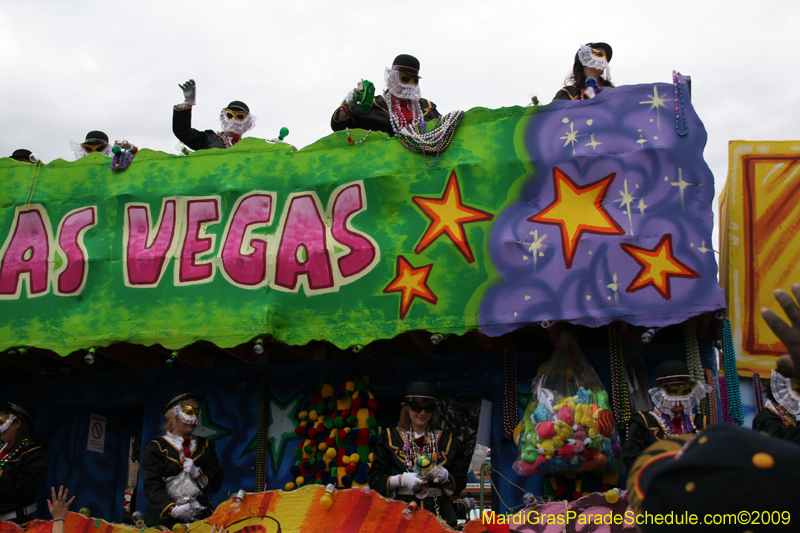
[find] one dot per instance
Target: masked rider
(400, 105)
(236, 120)
(674, 397)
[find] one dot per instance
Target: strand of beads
(664, 420)
(13, 453)
(713, 411)
(680, 110)
(723, 395)
(510, 410)
(418, 139)
(788, 418)
(758, 393)
(413, 452)
(731, 374)
(619, 385)
(350, 139)
(396, 116)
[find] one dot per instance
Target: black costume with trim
(376, 118)
(644, 430)
(772, 424)
(162, 460)
(389, 460)
(570, 92)
(20, 480)
(194, 139)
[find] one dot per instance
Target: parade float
(273, 279)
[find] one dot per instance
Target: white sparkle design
(594, 144)
(625, 203)
(614, 287)
(536, 248)
(571, 137)
(702, 248)
(656, 102)
(642, 206)
(682, 186)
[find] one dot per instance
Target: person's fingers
(49, 506)
(70, 501)
(776, 323)
(789, 306)
(53, 493)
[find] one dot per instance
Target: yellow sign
(759, 242)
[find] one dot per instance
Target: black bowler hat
(406, 63)
(22, 155)
(724, 470)
(421, 392)
(672, 372)
(236, 104)
(176, 396)
(96, 137)
(24, 409)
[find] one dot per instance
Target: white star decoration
(656, 102)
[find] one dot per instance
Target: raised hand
(189, 92)
(59, 505)
(789, 335)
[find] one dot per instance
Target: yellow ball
(302, 415)
(289, 486)
(612, 496)
(300, 480)
(355, 458)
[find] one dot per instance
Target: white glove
(442, 475)
(184, 512)
(412, 481)
(470, 503)
(190, 468)
(351, 98)
(189, 92)
(125, 145)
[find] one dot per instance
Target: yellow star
(657, 267)
(411, 283)
(578, 210)
(448, 215)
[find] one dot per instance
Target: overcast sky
(71, 67)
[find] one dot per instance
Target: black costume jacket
(772, 424)
(21, 478)
(194, 139)
(570, 92)
(389, 460)
(644, 430)
(162, 460)
(376, 118)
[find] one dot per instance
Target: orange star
(578, 210)
(448, 215)
(658, 266)
(412, 283)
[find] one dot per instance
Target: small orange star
(658, 266)
(412, 283)
(578, 210)
(448, 215)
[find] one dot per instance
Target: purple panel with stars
(616, 221)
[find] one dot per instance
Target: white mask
(587, 59)
(237, 127)
(784, 393)
(8, 423)
(398, 88)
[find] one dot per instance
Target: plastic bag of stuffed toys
(568, 425)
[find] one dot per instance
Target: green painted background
(486, 155)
